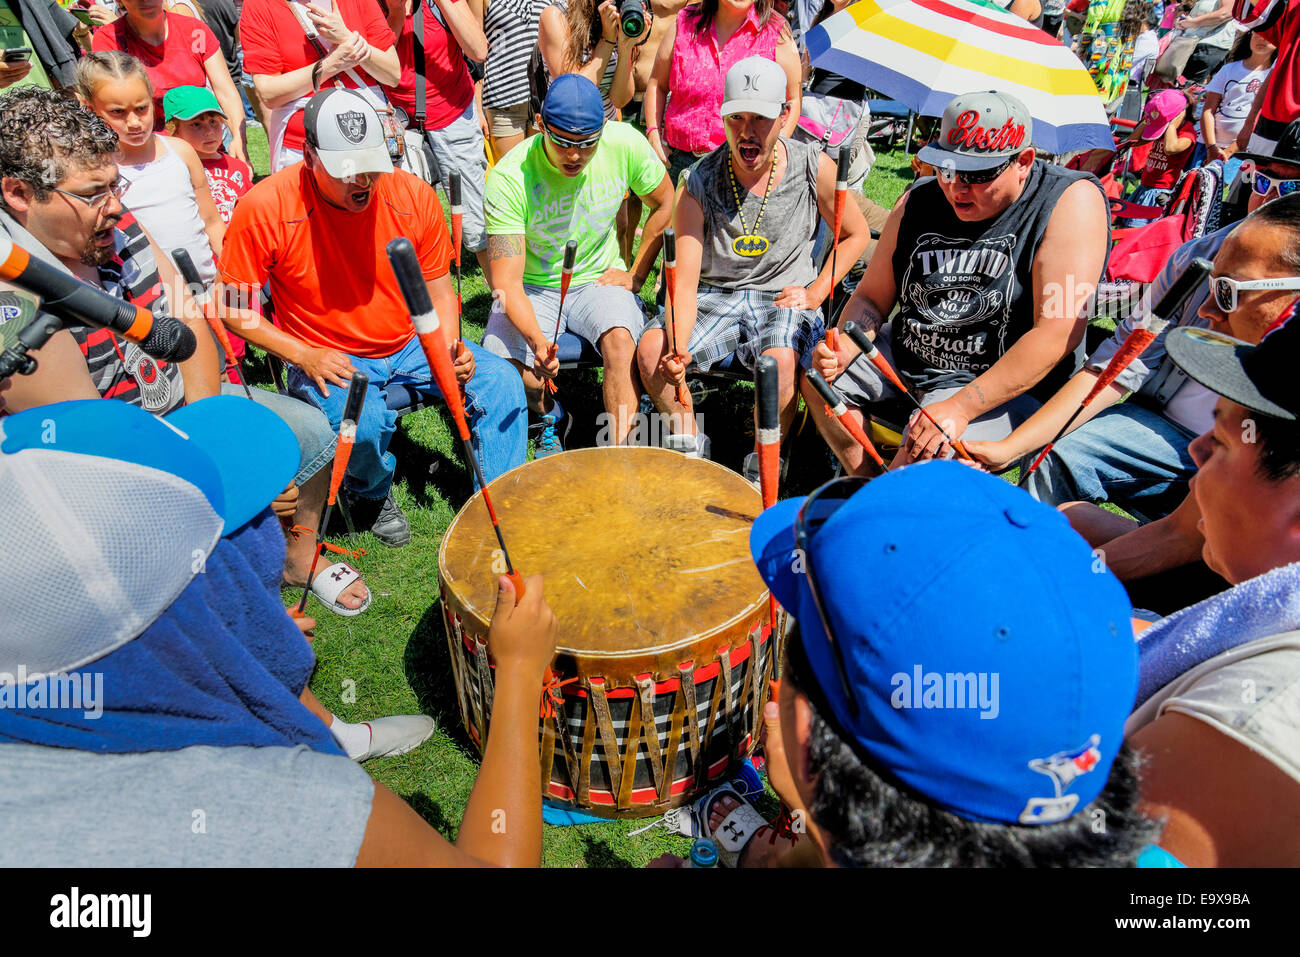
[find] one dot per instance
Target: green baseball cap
(187, 102)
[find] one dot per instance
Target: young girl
(1168, 129)
(1228, 99)
(166, 188)
(194, 115)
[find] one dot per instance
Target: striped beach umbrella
(925, 52)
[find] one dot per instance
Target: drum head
(643, 550)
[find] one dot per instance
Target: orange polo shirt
(330, 279)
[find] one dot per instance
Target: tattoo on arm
(979, 394)
(504, 247)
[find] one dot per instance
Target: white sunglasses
(1225, 290)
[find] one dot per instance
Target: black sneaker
(382, 517)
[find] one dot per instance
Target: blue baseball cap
(239, 454)
(989, 652)
(574, 104)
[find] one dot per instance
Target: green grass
(393, 659)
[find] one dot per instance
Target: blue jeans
(494, 404)
(316, 440)
(1127, 454)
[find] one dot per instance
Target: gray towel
(1268, 604)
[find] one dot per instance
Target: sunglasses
(565, 142)
(99, 200)
(1263, 184)
(816, 509)
(974, 177)
(1225, 290)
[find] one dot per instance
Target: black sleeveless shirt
(965, 290)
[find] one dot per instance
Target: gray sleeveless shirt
(789, 223)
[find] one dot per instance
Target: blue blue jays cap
(988, 653)
(573, 104)
(239, 454)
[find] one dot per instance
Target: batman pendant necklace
(750, 243)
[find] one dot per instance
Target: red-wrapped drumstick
(670, 296)
(837, 408)
(203, 299)
(768, 441)
(342, 452)
(841, 196)
(457, 233)
(877, 359)
(406, 266)
(1144, 331)
(566, 276)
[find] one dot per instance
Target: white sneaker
(750, 469)
(396, 735)
(695, 446)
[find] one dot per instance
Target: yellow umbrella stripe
(1055, 80)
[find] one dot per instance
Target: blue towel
(222, 666)
(1268, 604)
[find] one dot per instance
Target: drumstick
(837, 408)
(457, 232)
(566, 274)
(1134, 344)
(877, 359)
(347, 438)
(406, 266)
(841, 194)
(768, 435)
(670, 292)
(203, 299)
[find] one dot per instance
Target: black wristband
(315, 76)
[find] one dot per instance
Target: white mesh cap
(95, 550)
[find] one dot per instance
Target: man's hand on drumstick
(830, 363)
(545, 366)
(463, 364)
(522, 635)
(673, 368)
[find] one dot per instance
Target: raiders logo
(750, 245)
(352, 125)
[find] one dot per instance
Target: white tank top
(161, 197)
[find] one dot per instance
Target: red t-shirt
(228, 179)
(1162, 169)
(178, 62)
(331, 281)
(1282, 98)
(449, 88)
(274, 43)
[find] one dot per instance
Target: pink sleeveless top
(692, 120)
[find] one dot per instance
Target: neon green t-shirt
(527, 194)
(12, 35)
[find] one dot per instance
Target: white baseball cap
(345, 132)
(754, 85)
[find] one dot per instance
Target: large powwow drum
(664, 651)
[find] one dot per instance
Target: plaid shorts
(745, 322)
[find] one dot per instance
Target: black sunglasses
(813, 514)
(975, 177)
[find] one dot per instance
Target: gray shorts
(745, 322)
(863, 387)
(590, 311)
(459, 146)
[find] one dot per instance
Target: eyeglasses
(974, 177)
(1225, 290)
(99, 200)
(820, 506)
(1263, 184)
(570, 144)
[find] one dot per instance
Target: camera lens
(631, 14)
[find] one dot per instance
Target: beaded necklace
(750, 243)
